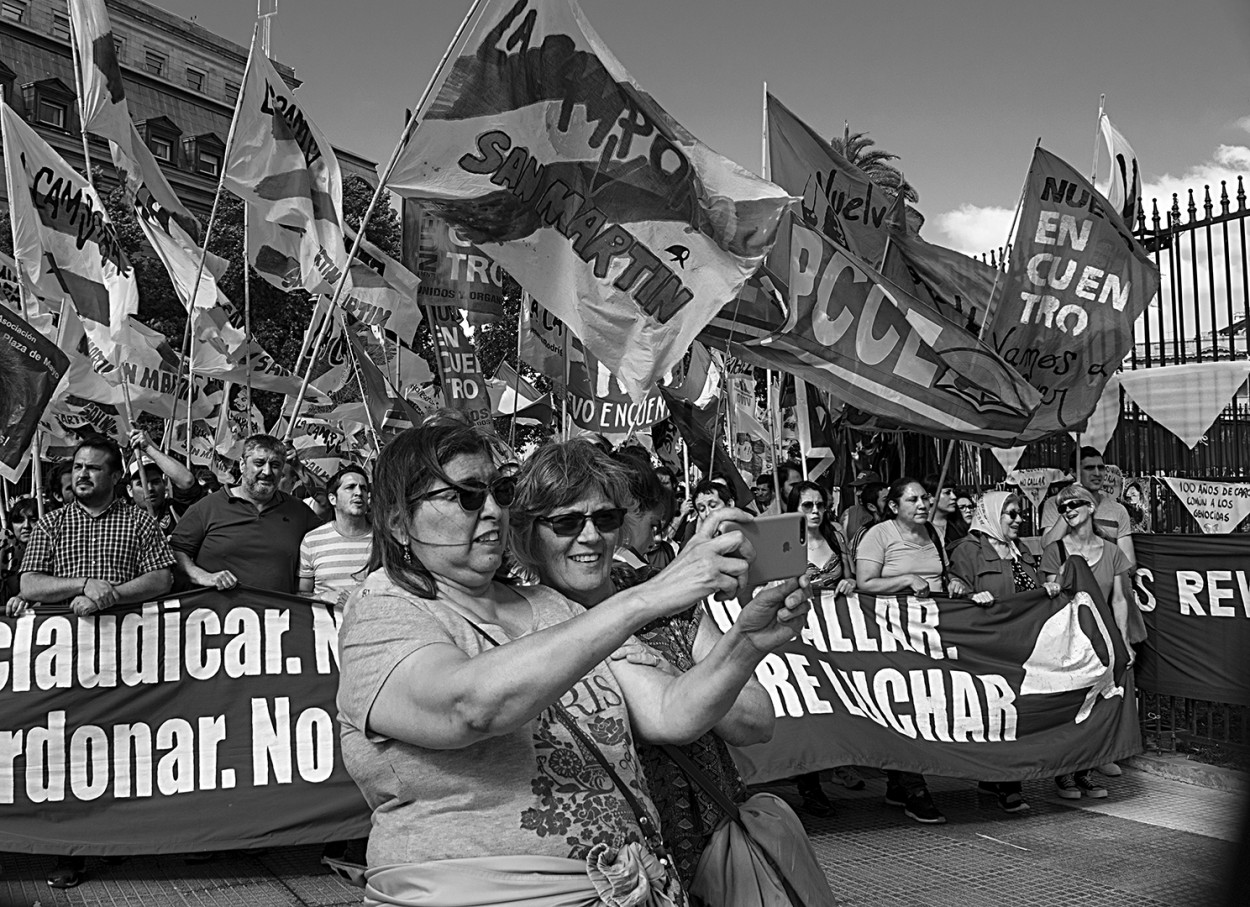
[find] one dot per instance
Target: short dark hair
(27, 508)
(405, 468)
(788, 467)
(1088, 451)
(332, 486)
(59, 470)
(109, 448)
(869, 493)
(267, 443)
(707, 486)
(895, 494)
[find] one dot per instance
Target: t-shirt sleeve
(379, 632)
(1124, 526)
(156, 553)
(188, 535)
(1120, 564)
(872, 547)
(306, 569)
(1051, 562)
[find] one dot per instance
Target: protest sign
(464, 388)
(598, 403)
(1036, 482)
(202, 723)
(1075, 283)
(1194, 591)
(1031, 687)
(453, 271)
(31, 366)
(1217, 507)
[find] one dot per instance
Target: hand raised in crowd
(84, 605)
(101, 592)
(712, 563)
(776, 615)
(17, 606)
(222, 579)
(138, 439)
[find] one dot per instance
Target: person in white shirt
(332, 557)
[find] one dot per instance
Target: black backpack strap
(941, 551)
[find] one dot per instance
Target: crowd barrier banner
(205, 722)
(1194, 591)
(1031, 687)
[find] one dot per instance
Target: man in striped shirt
(332, 557)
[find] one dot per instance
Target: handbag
(759, 856)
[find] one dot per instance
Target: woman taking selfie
(484, 724)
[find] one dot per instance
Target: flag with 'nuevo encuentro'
(1076, 283)
(542, 150)
(64, 241)
(285, 168)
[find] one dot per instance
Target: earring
(407, 555)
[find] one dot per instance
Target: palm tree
(859, 149)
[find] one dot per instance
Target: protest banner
(1194, 591)
(453, 270)
(1030, 687)
(541, 147)
(1076, 282)
(197, 723)
(31, 366)
(598, 403)
(1034, 483)
(1217, 507)
(460, 375)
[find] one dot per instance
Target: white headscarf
(988, 518)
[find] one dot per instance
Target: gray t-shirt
(533, 791)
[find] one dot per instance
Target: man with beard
(249, 533)
(97, 551)
(332, 558)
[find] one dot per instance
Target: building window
(13, 10)
(52, 113)
(195, 79)
(154, 62)
(232, 90)
(60, 27)
(210, 163)
(162, 148)
(119, 46)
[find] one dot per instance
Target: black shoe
(1012, 802)
(896, 795)
(816, 803)
(67, 873)
(920, 807)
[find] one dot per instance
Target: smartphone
(780, 543)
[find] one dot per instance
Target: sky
(961, 90)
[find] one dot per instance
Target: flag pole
(36, 473)
(409, 126)
(364, 397)
(1102, 106)
(772, 440)
(516, 383)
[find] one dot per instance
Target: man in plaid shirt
(98, 550)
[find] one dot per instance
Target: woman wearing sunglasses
(995, 566)
(483, 722)
(1111, 569)
(567, 523)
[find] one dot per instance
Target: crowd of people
(522, 644)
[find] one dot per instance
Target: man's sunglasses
(1069, 506)
(472, 497)
(568, 525)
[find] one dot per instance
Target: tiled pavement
(1154, 842)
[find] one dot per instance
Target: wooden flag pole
(516, 384)
(1093, 171)
(409, 126)
(772, 440)
(36, 474)
(364, 397)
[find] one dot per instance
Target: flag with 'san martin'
(541, 149)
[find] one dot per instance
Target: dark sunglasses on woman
(1069, 506)
(472, 496)
(570, 524)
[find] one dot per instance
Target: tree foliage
(861, 151)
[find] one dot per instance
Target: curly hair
(407, 467)
(557, 475)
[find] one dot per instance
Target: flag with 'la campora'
(64, 241)
(542, 150)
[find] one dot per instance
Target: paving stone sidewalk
(1156, 842)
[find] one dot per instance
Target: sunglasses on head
(472, 496)
(1069, 506)
(570, 524)
(809, 506)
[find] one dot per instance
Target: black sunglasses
(1069, 506)
(570, 524)
(473, 497)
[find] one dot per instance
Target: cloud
(973, 230)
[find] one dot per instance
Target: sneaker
(1066, 787)
(1012, 802)
(895, 796)
(849, 777)
(920, 807)
(1111, 770)
(815, 802)
(67, 873)
(1089, 787)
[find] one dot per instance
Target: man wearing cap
(332, 558)
(1110, 516)
(249, 533)
(163, 472)
(858, 516)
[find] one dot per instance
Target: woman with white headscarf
(996, 566)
